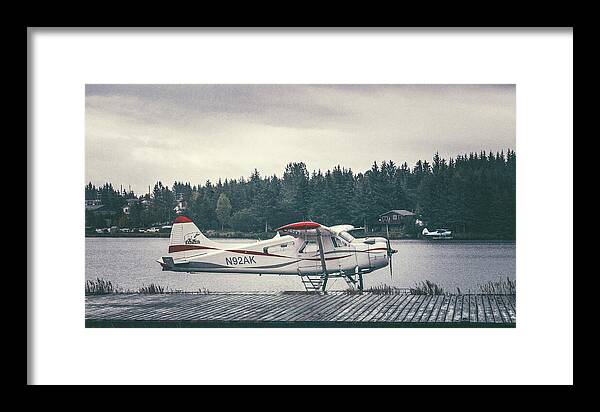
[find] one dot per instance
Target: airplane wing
(294, 229)
(341, 228)
(299, 226)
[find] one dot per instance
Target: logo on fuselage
(239, 260)
(192, 238)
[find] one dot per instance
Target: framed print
(226, 201)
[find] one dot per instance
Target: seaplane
(308, 249)
(437, 234)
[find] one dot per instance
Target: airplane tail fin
(425, 231)
(185, 235)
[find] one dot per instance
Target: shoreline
(269, 235)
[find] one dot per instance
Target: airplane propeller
(390, 252)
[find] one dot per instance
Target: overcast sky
(138, 134)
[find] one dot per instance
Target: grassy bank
(503, 286)
(99, 286)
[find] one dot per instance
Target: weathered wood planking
(305, 309)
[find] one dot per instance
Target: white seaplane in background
(306, 249)
(437, 234)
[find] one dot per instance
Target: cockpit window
(346, 236)
(309, 247)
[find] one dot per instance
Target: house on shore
(397, 219)
(96, 214)
(93, 204)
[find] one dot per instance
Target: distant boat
(437, 234)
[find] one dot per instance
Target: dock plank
(396, 308)
(415, 307)
(472, 308)
(510, 301)
(356, 305)
(323, 306)
(428, 312)
(373, 309)
(298, 307)
(279, 308)
(509, 309)
(441, 315)
(334, 312)
(450, 310)
(248, 311)
(439, 300)
(315, 310)
(503, 309)
(458, 307)
(193, 311)
(405, 308)
(362, 309)
(487, 307)
(423, 308)
(480, 309)
(387, 307)
(495, 310)
(230, 306)
(285, 306)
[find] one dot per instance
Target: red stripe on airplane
(299, 226)
(252, 252)
(183, 248)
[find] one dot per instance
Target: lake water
(131, 263)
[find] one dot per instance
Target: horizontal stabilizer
(167, 263)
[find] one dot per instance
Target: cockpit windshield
(346, 236)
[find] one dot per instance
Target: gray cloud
(137, 134)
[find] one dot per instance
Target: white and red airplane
(306, 249)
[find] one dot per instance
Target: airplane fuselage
(283, 255)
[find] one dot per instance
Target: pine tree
(471, 193)
(223, 210)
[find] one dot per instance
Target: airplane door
(309, 258)
(328, 247)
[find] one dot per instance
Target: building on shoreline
(400, 220)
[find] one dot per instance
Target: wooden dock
(299, 310)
